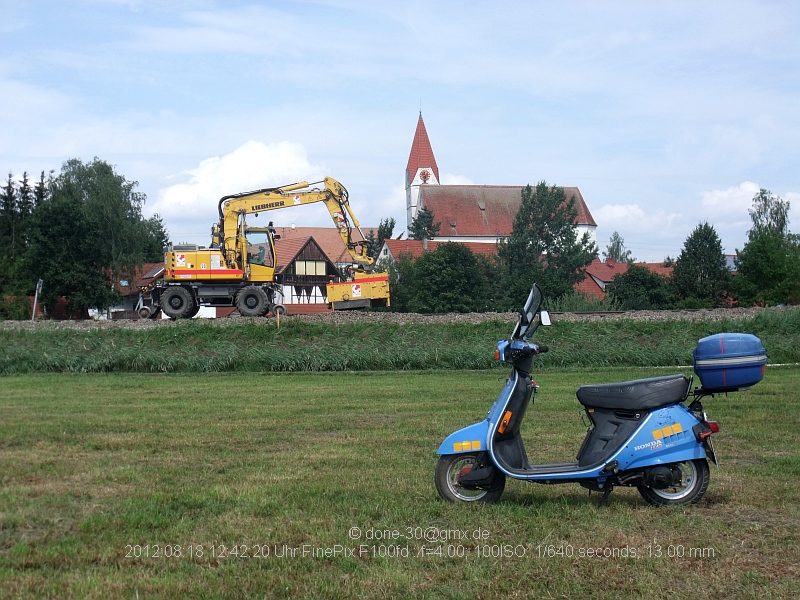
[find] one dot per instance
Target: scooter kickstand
(606, 494)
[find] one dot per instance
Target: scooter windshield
(528, 313)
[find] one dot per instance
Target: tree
(156, 239)
(8, 233)
(639, 288)
(9, 217)
(42, 190)
(448, 279)
(770, 212)
(375, 241)
(16, 206)
(63, 253)
(543, 246)
(768, 267)
(423, 227)
(87, 232)
(25, 204)
(111, 203)
(616, 250)
(701, 277)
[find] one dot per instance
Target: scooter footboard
(611, 429)
(468, 439)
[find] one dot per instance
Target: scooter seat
(639, 394)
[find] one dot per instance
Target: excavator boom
(233, 208)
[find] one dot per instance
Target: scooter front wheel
(452, 467)
(695, 476)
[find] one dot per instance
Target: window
(310, 267)
(259, 251)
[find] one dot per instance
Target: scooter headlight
(500, 352)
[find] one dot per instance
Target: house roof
(286, 251)
(421, 153)
(484, 210)
(605, 271)
(599, 274)
(142, 277)
(414, 247)
(327, 238)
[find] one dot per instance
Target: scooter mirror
(544, 318)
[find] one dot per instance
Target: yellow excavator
(238, 269)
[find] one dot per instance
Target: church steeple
(421, 156)
(421, 169)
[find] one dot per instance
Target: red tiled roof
(143, 276)
(421, 153)
(484, 210)
(286, 250)
(327, 238)
(414, 247)
(605, 271)
(589, 287)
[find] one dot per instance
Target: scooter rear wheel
(695, 476)
(449, 470)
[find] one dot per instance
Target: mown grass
(92, 464)
(206, 347)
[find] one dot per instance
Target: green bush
(15, 308)
(575, 301)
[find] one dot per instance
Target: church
(469, 213)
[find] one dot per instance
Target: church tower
(421, 169)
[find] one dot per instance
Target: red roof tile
(599, 274)
(327, 238)
(484, 210)
(286, 250)
(414, 247)
(142, 277)
(421, 153)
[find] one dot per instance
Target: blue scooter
(641, 434)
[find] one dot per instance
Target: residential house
(599, 274)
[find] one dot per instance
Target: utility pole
(36, 298)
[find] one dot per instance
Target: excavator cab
(260, 253)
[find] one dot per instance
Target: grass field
(212, 346)
(321, 485)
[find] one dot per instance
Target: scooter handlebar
(529, 348)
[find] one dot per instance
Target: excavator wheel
(252, 302)
(177, 302)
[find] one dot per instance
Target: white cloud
(450, 179)
(733, 201)
(391, 204)
(190, 207)
(650, 235)
(632, 216)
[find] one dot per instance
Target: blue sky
(665, 114)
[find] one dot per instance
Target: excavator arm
(229, 232)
